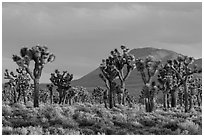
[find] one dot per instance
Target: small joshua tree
(19, 83)
(62, 81)
(181, 67)
(12, 83)
(41, 56)
(148, 68)
(97, 94)
(50, 88)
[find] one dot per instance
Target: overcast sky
(81, 34)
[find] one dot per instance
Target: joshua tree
(181, 67)
(19, 83)
(168, 84)
(117, 65)
(12, 83)
(148, 68)
(109, 74)
(62, 81)
(124, 65)
(41, 56)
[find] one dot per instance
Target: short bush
(6, 110)
(7, 130)
(191, 127)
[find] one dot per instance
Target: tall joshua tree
(41, 56)
(181, 66)
(62, 81)
(148, 68)
(124, 64)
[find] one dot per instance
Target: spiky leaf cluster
(61, 80)
(21, 79)
(113, 65)
(181, 66)
(148, 66)
(167, 78)
(149, 63)
(108, 70)
(39, 54)
(122, 59)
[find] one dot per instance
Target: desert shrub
(71, 132)
(119, 117)
(109, 130)
(87, 131)
(136, 124)
(5, 122)
(65, 118)
(19, 105)
(190, 126)
(85, 119)
(7, 130)
(54, 130)
(102, 112)
(19, 122)
(147, 121)
(28, 131)
(55, 116)
(83, 109)
(59, 130)
(159, 131)
(29, 104)
(171, 125)
(6, 110)
(68, 110)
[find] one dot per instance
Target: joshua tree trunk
(151, 104)
(14, 95)
(110, 96)
(198, 100)
(123, 99)
(51, 97)
(123, 92)
(60, 95)
(190, 102)
(114, 100)
(70, 101)
(185, 96)
(173, 98)
(24, 96)
(19, 95)
(36, 92)
(168, 100)
(165, 101)
(147, 105)
(119, 98)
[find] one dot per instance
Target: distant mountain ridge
(134, 82)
